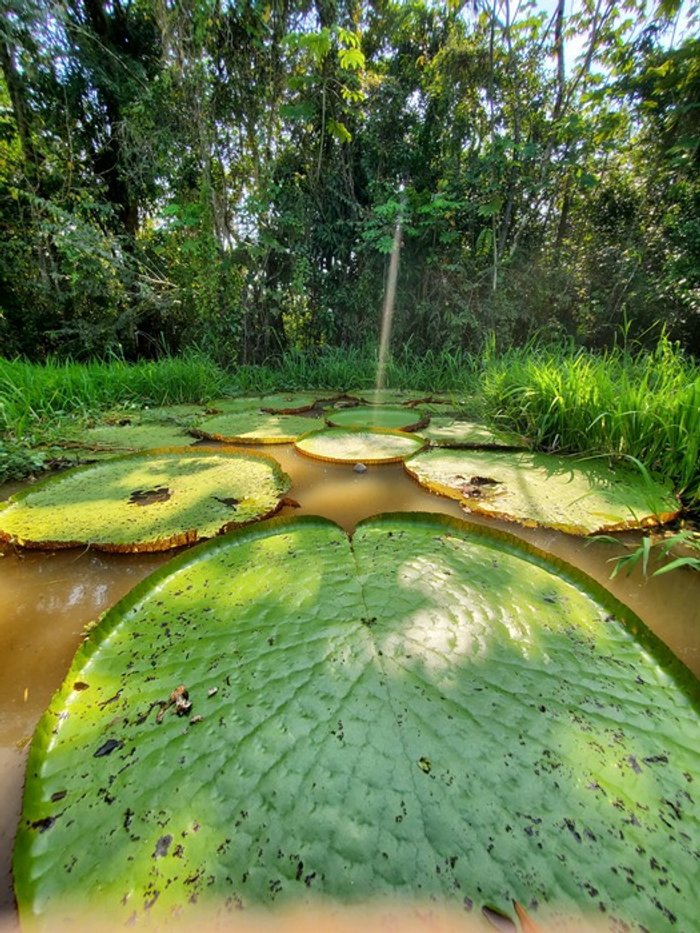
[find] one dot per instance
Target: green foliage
(230, 178)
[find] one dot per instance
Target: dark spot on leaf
(230, 501)
(80, 685)
(425, 765)
(150, 496)
(309, 879)
(43, 825)
(108, 747)
(58, 795)
(634, 764)
(162, 846)
(300, 870)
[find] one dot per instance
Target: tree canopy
(230, 175)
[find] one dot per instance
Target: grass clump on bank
(31, 393)
(644, 407)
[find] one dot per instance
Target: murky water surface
(46, 598)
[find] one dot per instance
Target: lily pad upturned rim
(380, 431)
(151, 547)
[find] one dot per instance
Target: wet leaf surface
(428, 710)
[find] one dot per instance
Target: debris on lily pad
(425, 710)
(577, 496)
(347, 445)
(254, 427)
(377, 416)
(146, 501)
(445, 431)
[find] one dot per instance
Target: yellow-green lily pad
(576, 496)
(377, 416)
(146, 501)
(254, 427)
(455, 432)
(345, 445)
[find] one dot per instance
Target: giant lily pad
(345, 445)
(253, 427)
(125, 437)
(376, 416)
(280, 403)
(429, 711)
(145, 502)
(576, 496)
(456, 432)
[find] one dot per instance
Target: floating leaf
(576, 496)
(129, 437)
(430, 711)
(376, 416)
(253, 427)
(145, 502)
(346, 445)
(452, 432)
(279, 403)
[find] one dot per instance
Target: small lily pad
(377, 416)
(576, 496)
(145, 502)
(253, 427)
(345, 445)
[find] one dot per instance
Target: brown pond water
(46, 598)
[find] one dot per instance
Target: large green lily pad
(125, 437)
(576, 496)
(376, 416)
(429, 710)
(254, 427)
(278, 403)
(145, 502)
(456, 432)
(348, 445)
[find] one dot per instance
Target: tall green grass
(643, 406)
(32, 394)
(339, 369)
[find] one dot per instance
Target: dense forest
(230, 176)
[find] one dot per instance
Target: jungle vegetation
(227, 177)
